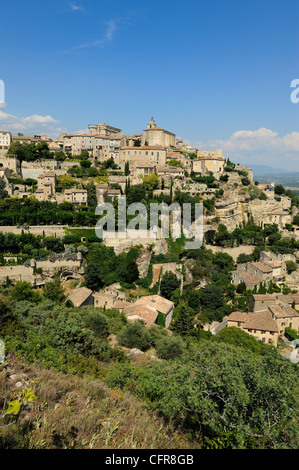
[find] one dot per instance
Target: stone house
(261, 270)
(5, 141)
(81, 297)
(280, 308)
(156, 136)
(104, 300)
(285, 316)
(259, 302)
(251, 281)
(150, 154)
(209, 162)
(147, 309)
(280, 217)
(260, 325)
(140, 169)
(46, 186)
(252, 274)
(102, 190)
(114, 192)
(77, 197)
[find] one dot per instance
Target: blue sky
(215, 72)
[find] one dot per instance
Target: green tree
(279, 189)
(91, 195)
(54, 291)
(171, 347)
(169, 283)
(96, 322)
(183, 322)
(135, 335)
(3, 192)
(23, 291)
(5, 309)
(291, 266)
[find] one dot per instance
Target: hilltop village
(141, 301)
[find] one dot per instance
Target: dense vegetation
(268, 237)
(227, 391)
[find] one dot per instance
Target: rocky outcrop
(232, 211)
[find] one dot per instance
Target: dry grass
(81, 413)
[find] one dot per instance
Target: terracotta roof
(78, 296)
(159, 303)
(279, 212)
(248, 277)
(122, 304)
(288, 299)
(262, 267)
(143, 165)
(144, 312)
(104, 295)
(283, 311)
(274, 264)
(261, 321)
(264, 297)
(236, 316)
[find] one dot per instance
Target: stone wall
(47, 230)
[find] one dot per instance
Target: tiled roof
(159, 303)
(279, 212)
(283, 311)
(78, 296)
(260, 297)
(248, 277)
(261, 321)
(144, 312)
(262, 267)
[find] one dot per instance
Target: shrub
(135, 335)
(170, 348)
(96, 322)
(290, 333)
(291, 266)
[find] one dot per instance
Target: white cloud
(30, 124)
(111, 27)
(75, 7)
(261, 146)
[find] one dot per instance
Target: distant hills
(268, 174)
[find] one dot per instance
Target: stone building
(104, 130)
(104, 300)
(77, 197)
(81, 297)
(141, 169)
(281, 218)
(5, 141)
(46, 186)
(155, 155)
(280, 307)
(260, 325)
(12, 163)
(147, 308)
(156, 136)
